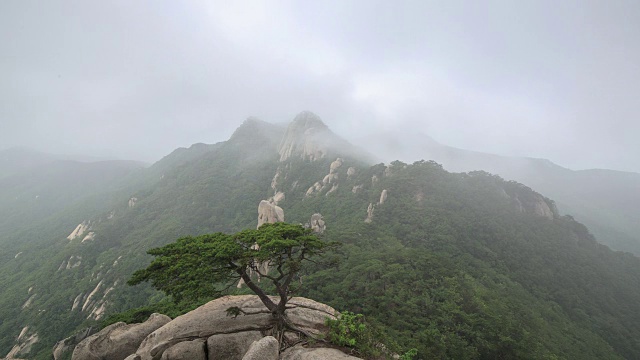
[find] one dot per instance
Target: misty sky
(136, 79)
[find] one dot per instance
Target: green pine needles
(207, 265)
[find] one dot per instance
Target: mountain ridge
(455, 264)
(597, 197)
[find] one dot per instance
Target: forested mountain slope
(459, 266)
(39, 192)
(607, 201)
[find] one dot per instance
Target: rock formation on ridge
(209, 332)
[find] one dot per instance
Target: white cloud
(265, 30)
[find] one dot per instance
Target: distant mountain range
(456, 265)
(15, 160)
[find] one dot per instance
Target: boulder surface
(117, 341)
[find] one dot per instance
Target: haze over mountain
(607, 201)
(528, 78)
(459, 266)
(478, 160)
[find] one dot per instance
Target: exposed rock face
(77, 301)
(333, 189)
(269, 213)
(63, 346)
(371, 208)
(383, 197)
(231, 346)
(24, 343)
(335, 166)
(330, 179)
(211, 319)
(369, 213)
(350, 172)
(90, 236)
(28, 302)
(536, 205)
(541, 208)
(301, 353)
(88, 302)
(317, 187)
(266, 348)
(304, 138)
(118, 340)
(186, 350)
(278, 197)
(276, 178)
(356, 189)
(73, 262)
(80, 230)
(133, 201)
(208, 332)
(317, 224)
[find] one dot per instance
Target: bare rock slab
(212, 319)
(186, 350)
(266, 348)
(117, 341)
(231, 346)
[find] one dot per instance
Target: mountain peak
(306, 137)
(308, 120)
(252, 127)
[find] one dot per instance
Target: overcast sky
(137, 79)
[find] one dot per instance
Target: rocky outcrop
(117, 341)
(231, 346)
(313, 189)
(278, 197)
(328, 180)
(211, 320)
(541, 208)
(335, 165)
(77, 301)
(210, 333)
(90, 236)
(350, 172)
(24, 343)
(383, 197)
(266, 348)
(186, 350)
(333, 189)
(64, 346)
(370, 210)
(269, 213)
(89, 298)
(532, 203)
(132, 202)
(28, 302)
(276, 179)
(73, 262)
(317, 224)
(80, 230)
(304, 138)
(372, 207)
